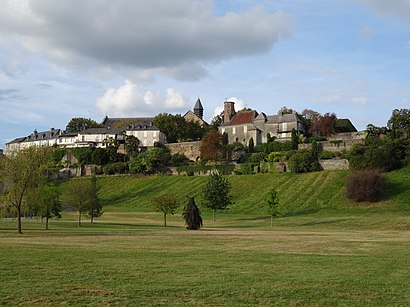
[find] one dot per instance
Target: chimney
(229, 111)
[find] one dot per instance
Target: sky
(134, 58)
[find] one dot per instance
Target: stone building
(35, 139)
(249, 124)
(197, 115)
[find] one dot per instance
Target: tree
(77, 195)
(251, 145)
(192, 215)
(166, 203)
(272, 201)
(45, 200)
(317, 124)
(78, 124)
(294, 139)
(132, 144)
(22, 173)
(399, 120)
(211, 146)
(216, 193)
(149, 161)
(94, 209)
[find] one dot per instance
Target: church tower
(199, 109)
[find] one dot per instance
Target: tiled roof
(285, 118)
(42, 135)
(102, 131)
(124, 121)
(243, 117)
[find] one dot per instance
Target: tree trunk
(79, 218)
(213, 215)
(165, 220)
(92, 218)
(271, 221)
(19, 220)
(46, 222)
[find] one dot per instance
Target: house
(140, 127)
(249, 124)
(36, 139)
(197, 115)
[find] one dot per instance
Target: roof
(285, 118)
(198, 105)
(121, 122)
(243, 117)
(101, 131)
(140, 127)
(41, 135)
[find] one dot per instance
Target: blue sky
(68, 58)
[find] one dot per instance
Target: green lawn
(323, 251)
(128, 259)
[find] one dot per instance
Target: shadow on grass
(301, 212)
(315, 223)
(394, 189)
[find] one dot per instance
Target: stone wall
(334, 164)
(338, 142)
(190, 149)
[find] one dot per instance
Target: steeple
(199, 109)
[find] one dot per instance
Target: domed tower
(199, 109)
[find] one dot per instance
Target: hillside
(299, 193)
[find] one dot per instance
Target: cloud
(130, 100)
(360, 100)
(175, 35)
(399, 8)
(239, 105)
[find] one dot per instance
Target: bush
(365, 185)
(326, 155)
(304, 161)
(116, 168)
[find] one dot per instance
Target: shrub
(326, 155)
(304, 161)
(116, 168)
(365, 185)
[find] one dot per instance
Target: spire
(199, 109)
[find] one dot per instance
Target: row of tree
(27, 184)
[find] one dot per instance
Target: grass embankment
(324, 251)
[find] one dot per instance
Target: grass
(130, 260)
(323, 251)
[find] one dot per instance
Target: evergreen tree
(192, 215)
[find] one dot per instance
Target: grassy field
(323, 251)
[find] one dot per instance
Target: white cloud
(239, 105)
(129, 100)
(360, 100)
(178, 36)
(390, 7)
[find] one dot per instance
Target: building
(249, 124)
(197, 115)
(36, 139)
(140, 127)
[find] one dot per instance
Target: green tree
(272, 200)
(399, 120)
(132, 144)
(22, 173)
(294, 139)
(251, 145)
(78, 124)
(192, 215)
(166, 203)
(94, 209)
(77, 195)
(45, 201)
(216, 193)
(149, 161)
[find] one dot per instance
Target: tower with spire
(199, 109)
